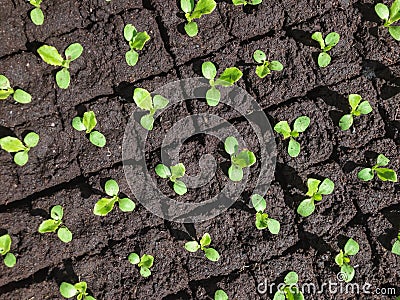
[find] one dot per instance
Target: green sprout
(384, 174)
(266, 66)
(357, 108)
(220, 295)
(51, 56)
(173, 174)
(6, 90)
(21, 149)
(315, 190)
(227, 78)
(68, 290)
(36, 14)
(331, 40)
(262, 219)
(245, 2)
(144, 263)
(289, 290)
(203, 7)
(239, 160)
(144, 101)
(343, 260)
(55, 224)
(205, 242)
(396, 245)
(5, 246)
(390, 16)
(105, 205)
(300, 125)
(88, 123)
(136, 42)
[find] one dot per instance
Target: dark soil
(66, 169)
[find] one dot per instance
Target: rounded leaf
(126, 204)
(147, 122)
(57, 212)
(386, 174)
(258, 203)
(364, 108)
(365, 174)
(259, 56)
(348, 271)
(312, 185)
(21, 158)
(31, 139)
(11, 144)
(67, 290)
(162, 171)
(327, 186)
(4, 82)
(5, 244)
(22, 97)
(180, 187)
(191, 29)
(235, 173)
(213, 96)
(131, 57)
(231, 145)
(89, 121)
(351, 247)
(209, 70)
(229, 77)
(111, 187)
(192, 246)
(64, 234)
(395, 32)
(262, 71)
(178, 170)
(142, 99)
(10, 260)
(73, 51)
(50, 55)
(273, 226)
(396, 247)
(97, 139)
(205, 240)
(275, 66)
(146, 261)
(244, 159)
(211, 254)
(134, 258)
(354, 100)
(63, 78)
(283, 128)
(37, 16)
(145, 272)
(187, 5)
(139, 40)
(77, 124)
(324, 59)
(103, 206)
(339, 259)
(160, 102)
(301, 124)
(332, 39)
(317, 36)
(382, 11)
(279, 295)
(291, 278)
(48, 226)
(346, 121)
(129, 32)
(306, 207)
(293, 148)
(220, 295)
(261, 220)
(382, 160)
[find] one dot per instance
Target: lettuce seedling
(192, 12)
(88, 123)
(384, 174)
(173, 174)
(357, 108)
(144, 101)
(105, 205)
(144, 263)
(6, 90)
(55, 224)
(136, 42)
(5, 246)
(205, 242)
(315, 190)
(390, 16)
(396, 245)
(220, 295)
(68, 290)
(266, 66)
(262, 219)
(227, 78)
(36, 14)
(300, 125)
(51, 56)
(12, 144)
(245, 2)
(239, 160)
(343, 260)
(331, 40)
(289, 290)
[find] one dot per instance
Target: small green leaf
(11, 144)
(351, 247)
(103, 206)
(4, 83)
(147, 122)
(229, 77)
(395, 32)
(191, 29)
(301, 124)
(364, 108)
(293, 148)
(346, 121)
(366, 174)
(4, 94)
(77, 124)
(64, 234)
(273, 226)
(349, 271)
(180, 187)
(259, 56)
(239, 2)
(220, 295)
(262, 71)
(235, 173)
(291, 278)
(306, 208)
(81, 287)
(209, 70)
(31, 139)
(275, 66)
(212, 254)
(382, 160)
(73, 51)
(126, 204)
(49, 226)
(213, 96)
(396, 247)
(386, 174)
(97, 139)
(67, 290)
(192, 246)
(10, 260)
(111, 187)
(139, 40)
(283, 128)
(261, 220)
(317, 36)
(231, 145)
(205, 240)
(279, 295)
(327, 186)
(324, 59)
(258, 203)
(142, 99)
(244, 159)
(178, 170)
(395, 11)
(145, 272)
(129, 32)
(5, 244)
(187, 5)
(21, 158)
(339, 259)
(146, 261)
(57, 212)
(50, 55)
(312, 185)
(21, 96)
(354, 100)
(332, 39)
(162, 171)
(131, 57)
(134, 258)
(160, 102)
(382, 11)
(63, 78)
(203, 7)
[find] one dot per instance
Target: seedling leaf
(213, 96)
(145, 272)
(327, 186)
(386, 174)
(301, 123)
(78, 124)
(351, 247)
(258, 203)
(382, 11)
(57, 212)
(275, 66)
(48, 226)
(220, 295)
(187, 5)
(73, 51)
(231, 145)
(324, 59)
(191, 29)
(235, 173)
(64, 234)
(273, 226)
(293, 148)
(162, 171)
(21, 158)
(332, 39)
(160, 102)
(396, 247)
(126, 204)
(205, 240)
(67, 290)
(103, 206)
(111, 187)
(346, 122)
(5, 244)
(142, 99)
(212, 254)
(395, 32)
(37, 16)
(63, 78)
(10, 260)
(283, 128)
(229, 76)
(97, 139)
(382, 160)
(192, 246)
(50, 55)
(306, 207)
(11, 144)
(21, 96)
(180, 187)
(317, 36)
(134, 258)
(129, 32)
(365, 174)
(259, 56)
(131, 57)
(147, 122)
(140, 40)
(203, 7)
(31, 139)
(209, 70)
(291, 278)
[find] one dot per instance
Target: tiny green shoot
(262, 219)
(205, 242)
(343, 259)
(331, 40)
(6, 90)
(21, 149)
(246, 2)
(51, 56)
(384, 174)
(289, 290)
(315, 190)
(300, 125)
(136, 41)
(55, 224)
(220, 295)
(228, 77)
(357, 108)
(69, 290)
(192, 12)
(105, 205)
(239, 160)
(144, 263)
(144, 101)
(173, 173)
(36, 14)
(390, 16)
(88, 123)
(265, 66)
(396, 245)
(5, 246)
